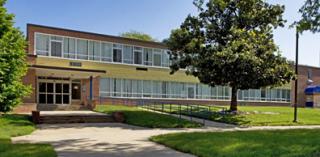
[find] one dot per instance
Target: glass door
(51, 92)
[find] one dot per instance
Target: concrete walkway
(101, 140)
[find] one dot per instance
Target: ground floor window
(129, 88)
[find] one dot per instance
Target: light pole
(296, 80)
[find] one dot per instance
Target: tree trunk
(234, 101)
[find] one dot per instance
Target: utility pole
(296, 81)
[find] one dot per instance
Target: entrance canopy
(65, 72)
(312, 90)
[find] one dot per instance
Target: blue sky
(154, 17)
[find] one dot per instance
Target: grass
(139, 117)
(251, 115)
(17, 125)
(271, 116)
(285, 143)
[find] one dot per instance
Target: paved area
(101, 140)
(117, 139)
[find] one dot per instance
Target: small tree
(137, 35)
(12, 62)
(230, 43)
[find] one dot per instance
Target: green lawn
(250, 115)
(17, 125)
(139, 117)
(286, 143)
(271, 116)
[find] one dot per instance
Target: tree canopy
(230, 42)
(310, 17)
(12, 62)
(137, 35)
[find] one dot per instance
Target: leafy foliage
(230, 42)
(310, 16)
(12, 62)
(138, 35)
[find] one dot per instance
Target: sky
(154, 17)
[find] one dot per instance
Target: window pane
(157, 58)
(82, 48)
(137, 55)
(91, 50)
(147, 88)
(56, 49)
(147, 56)
(94, 50)
(106, 54)
(165, 59)
(69, 48)
(127, 54)
(117, 53)
(42, 44)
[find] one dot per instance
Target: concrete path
(101, 140)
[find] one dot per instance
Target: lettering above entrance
(75, 64)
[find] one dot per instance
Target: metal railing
(204, 112)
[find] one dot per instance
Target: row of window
(57, 46)
(113, 87)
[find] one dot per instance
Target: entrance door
(51, 92)
(191, 92)
(76, 90)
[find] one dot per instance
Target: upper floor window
(42, 44)
(106, 52)
(94, 50)
(157, 55)
(56, 46)
(137, 55)
(127, 54)
(117, 53)
(147, 56)
(69, 48)
(75, 48)
(82, 48)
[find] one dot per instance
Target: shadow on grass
(229, 118)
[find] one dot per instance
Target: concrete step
(59, 119)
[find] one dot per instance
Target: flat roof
(159, 44)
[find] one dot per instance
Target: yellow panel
(121, 71)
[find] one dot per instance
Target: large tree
(137, 35)
(12, 62)
(230, 42)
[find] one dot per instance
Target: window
(147, 56)
(82, 48)
(69, 48)
(106, 52)
(126, 88)
(117, 53)
(136, 88)
(56, 46)
(156, 90)
(116, 87)
(147, 87)
(165, 59)
(94, 50)
(157, 57)
(42, 44)
(127, 54)
(137, 55)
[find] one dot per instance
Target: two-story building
(71, 69)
